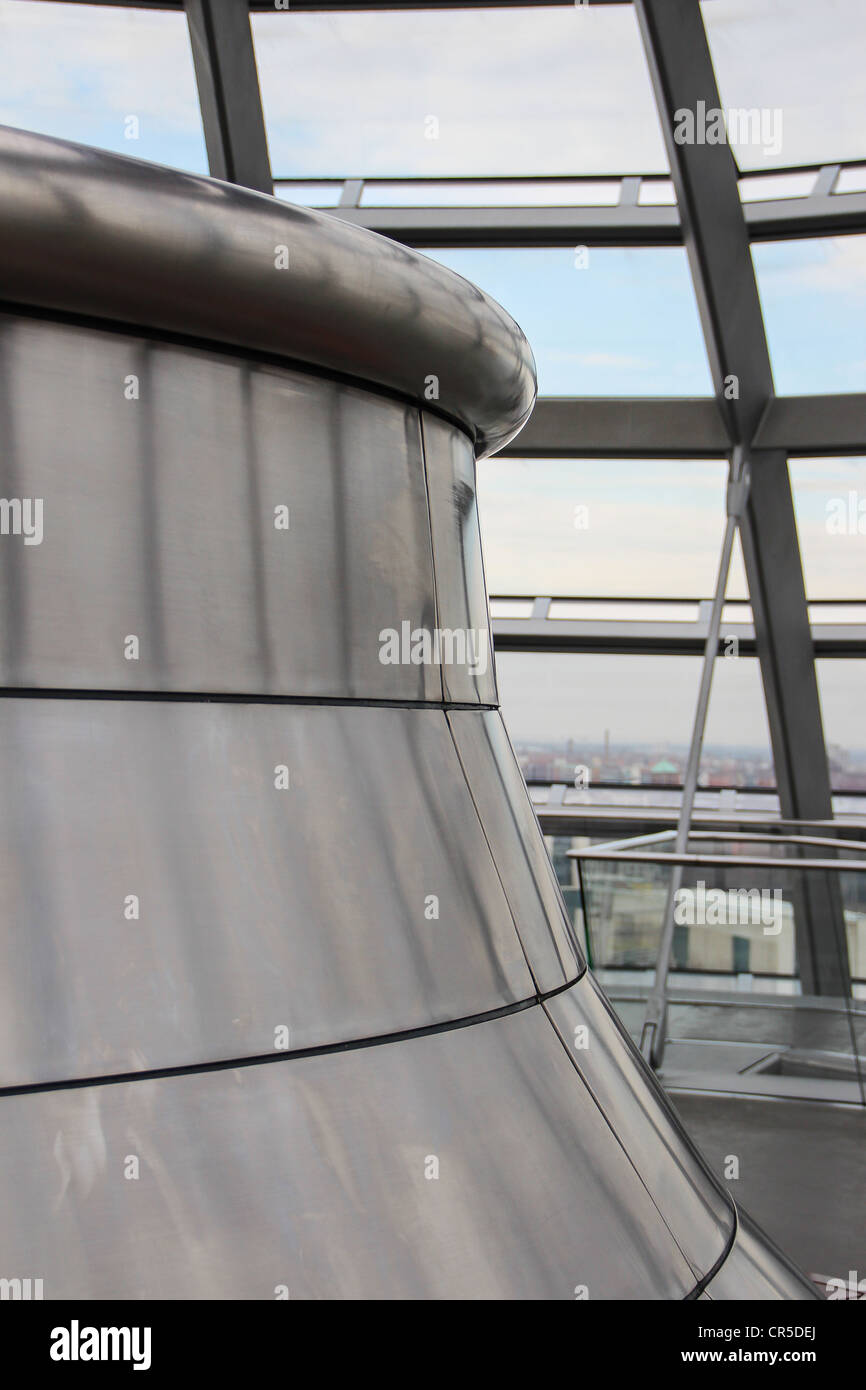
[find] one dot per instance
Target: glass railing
(771, 925)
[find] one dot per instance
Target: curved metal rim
(89, 232)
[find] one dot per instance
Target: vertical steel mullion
(228, 88)
(717, 244)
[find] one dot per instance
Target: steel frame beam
(717, 244)
(685, 427)
(228, 90)
(714, 227)
(620, 224)
(622, 427)
(571, 819)
(653, 638)
(814, 425)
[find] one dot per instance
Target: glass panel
(842, 685)
(756, 190)
(736, 750)
(813, 293)
(851, 180)
(602, 321)
(566, 872)
(616, 716)
(854, 901)
(796, 62)
(729, 921)
(628, 719)
(738, 588)
(615, 528)
(738, 927)
(830, 505)
(555, 90)
(422, 193)
(656, 193)
(121, 79)
(737, 612)
(510, 608)
(594, 610)
(310, 195)
(838, 613)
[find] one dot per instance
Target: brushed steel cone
(290, 1004)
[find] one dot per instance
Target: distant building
(664, 774)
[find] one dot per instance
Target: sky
(542, 91)
(651, 527)
(654, 528)
(646, 700)
(77, 72)
(639, 699)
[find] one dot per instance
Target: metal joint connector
(738, 494)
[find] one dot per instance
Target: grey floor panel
(802, 1172)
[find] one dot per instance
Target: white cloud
(76, 71)
(834, 265)
(654, 527)
(558, 90)
(600, 359)
(802, 58)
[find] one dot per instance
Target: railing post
(652, 1041)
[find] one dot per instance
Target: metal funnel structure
(289, 1002)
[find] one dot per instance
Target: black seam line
(710, 1276)
(11, 692)
(224, 347)
(322, 1050)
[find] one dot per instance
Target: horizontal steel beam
(623, 224)
(815, 424)
(656, 638)
(685, 427)
(622, 427)
(829, 215)
(595, 817)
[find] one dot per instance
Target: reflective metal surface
(460, 588)
(466, 1164)
(89, 232)
(161, 520)
(756, 1269)
(698, 1212)
(521, 857)
(241, 837)
(256, 908)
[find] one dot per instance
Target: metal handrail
(750, 835)
(736, 836)
(682, 858)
